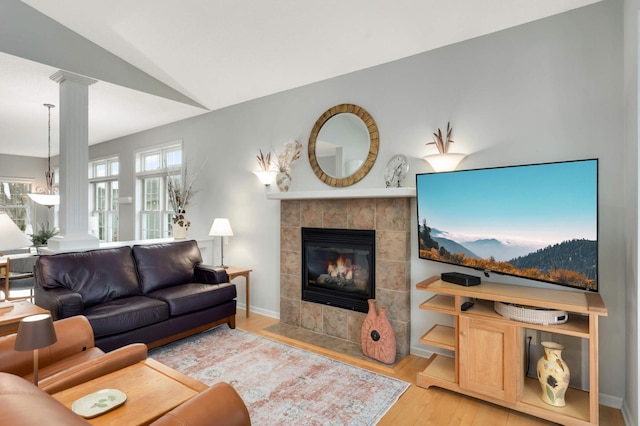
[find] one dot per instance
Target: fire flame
(341, 269)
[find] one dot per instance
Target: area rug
(280, 384)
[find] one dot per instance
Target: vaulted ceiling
(159, 61)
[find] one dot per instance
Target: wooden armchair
(17, 274)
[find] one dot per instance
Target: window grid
(103, 190)
(155, 211)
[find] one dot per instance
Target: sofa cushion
(165, 265)
(98, 275)
(186, 298)
(126, 314)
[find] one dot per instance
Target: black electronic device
(460, 278)
(466, 305)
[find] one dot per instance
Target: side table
(233, 272)
(10, 317)
(152, 390)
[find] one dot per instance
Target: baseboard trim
(420, 352)
(265, 312)
(610, 401)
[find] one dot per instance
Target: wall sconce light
(444, 161)
(265, 174)
(266, 177)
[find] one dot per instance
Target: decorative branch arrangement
(439, 142)
(180, 188)
(290, 155)
(264, 161)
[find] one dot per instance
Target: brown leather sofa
(152, 294)
(22, 404)
(72, 360)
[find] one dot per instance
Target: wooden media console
(489, 349)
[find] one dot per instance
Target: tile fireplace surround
(390, 219)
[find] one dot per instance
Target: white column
(74, 159)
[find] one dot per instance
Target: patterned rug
(280, 384)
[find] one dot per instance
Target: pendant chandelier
(47, 196)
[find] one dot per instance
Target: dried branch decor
(439, 142)
(180, 188)
(264, 161)
(290, 155)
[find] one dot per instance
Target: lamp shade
(221, 228)
(266, 176)
(11, 237)
(35, 332)
(444, 162)
(45, 199)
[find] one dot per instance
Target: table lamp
(35, 332)
(221, 228)
(11, 237)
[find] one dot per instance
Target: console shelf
(439, 372)
(480, 337)
(441, 336)
(440, 303)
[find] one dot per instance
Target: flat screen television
(537, 221)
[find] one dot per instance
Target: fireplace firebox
(338, 267)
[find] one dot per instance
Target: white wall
(546, 91)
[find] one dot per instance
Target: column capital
(61, 76)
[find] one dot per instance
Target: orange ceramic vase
(378, 339)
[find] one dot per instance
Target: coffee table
(152, 390)
(10, 317)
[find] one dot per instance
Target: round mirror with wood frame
(337, 180)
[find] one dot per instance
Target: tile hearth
(334, 344)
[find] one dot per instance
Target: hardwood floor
(418, 406)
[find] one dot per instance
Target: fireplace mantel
(344, 193)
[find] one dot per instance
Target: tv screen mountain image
(537, 221)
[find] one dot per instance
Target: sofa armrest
(211, 274)
(218, 405)
(83, 372)
(22, 403)
(60, 301)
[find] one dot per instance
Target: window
(103, 199)
(153, 167)
(15, 201)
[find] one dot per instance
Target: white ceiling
(223, 52)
